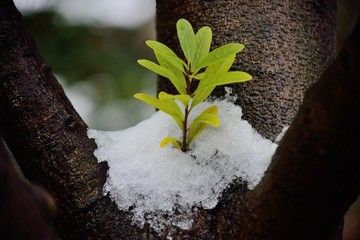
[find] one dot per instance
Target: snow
(147, 179)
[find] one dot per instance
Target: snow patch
(146, 179)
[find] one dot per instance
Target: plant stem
(184, 146)
(184, 137)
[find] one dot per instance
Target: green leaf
(155, 67)
(167, 53)
(176, 112)
(211, 72)
(225, 78)
(213, 109)
(207, 117)
(215, 75)
(219, 67)
(200, 95)
(153, 101)
(195, 131)
(203, 41)
(165, 63)
(162, 71)
(184, 98)
(187, 40)
(168, 106)
(221, 53)
(172, 140)
(199, 76)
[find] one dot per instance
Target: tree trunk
(314, 175)
(288, 45)
(49, 139)
(316, 168)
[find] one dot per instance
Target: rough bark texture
(47, 124)
(316, 168)
(314, 175)
(288, 45)
(49, 139)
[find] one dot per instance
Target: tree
(314, 174)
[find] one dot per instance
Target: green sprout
(210, 69)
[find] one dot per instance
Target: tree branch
(53, 147)
(314, 176)
(49, 139)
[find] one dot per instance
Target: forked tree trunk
(314, 175)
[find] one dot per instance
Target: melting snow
(145, 178)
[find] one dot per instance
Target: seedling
(211, 69)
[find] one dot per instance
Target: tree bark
(316, 168)
(314, 175)
(49, 139)
(288, 45)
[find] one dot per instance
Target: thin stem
(184, 146)
(184, 137)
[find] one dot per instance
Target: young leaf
(211, 72)
(184, 98)
(216, 74)
(187, 41)
(225, 78)
(153, 101)
(162, 71)
(172, 140)
(170, 103)
(203, 41)
(221, 53)
(213, 109)
(155, 68)
(195, 130)
(208, 116)
(199, 76)
(200, 95)
(167, 53)
(221, 66)
(167, 106)
(165, 63)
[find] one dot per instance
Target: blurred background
(93, 46)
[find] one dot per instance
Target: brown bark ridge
(316, 168)
(49, 139)
(288, 45)
(24, 213)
